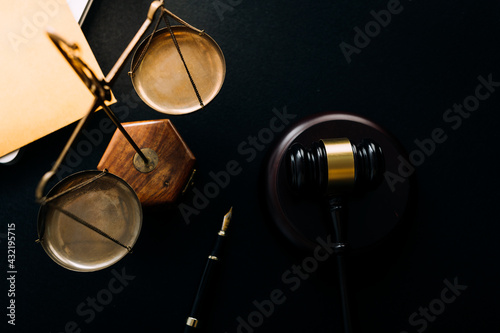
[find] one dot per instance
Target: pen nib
(227, 219)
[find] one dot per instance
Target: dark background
(286, 54)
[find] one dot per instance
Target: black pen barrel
(205, 284)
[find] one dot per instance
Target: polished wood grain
(163, 185)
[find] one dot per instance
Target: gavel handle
(336, 208)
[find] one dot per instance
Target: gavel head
(334, 167)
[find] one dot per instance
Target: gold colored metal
(225, 222)
(104, 201)
(213, 258)
(227, 219)
(49, 174)
(71, 52)
(113, 73)
(341, 171)
(190, 182)
(152, 161)
(100, 89)
(118, 125)
(193, 322)
(181, 21)
(207, 50)
(160, 79)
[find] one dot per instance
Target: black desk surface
(289, 55)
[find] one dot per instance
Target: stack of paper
(39, 91)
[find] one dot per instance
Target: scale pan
(107, 204)
(161, 80)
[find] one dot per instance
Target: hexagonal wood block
(167, 181)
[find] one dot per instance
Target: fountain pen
(213, 258)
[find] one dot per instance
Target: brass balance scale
(92, 219)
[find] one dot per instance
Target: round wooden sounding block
(370, 216)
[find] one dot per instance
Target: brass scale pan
(177, 69)
(93, 218)
(105, 204)
(160, 79)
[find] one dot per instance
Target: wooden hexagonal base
(167, 181)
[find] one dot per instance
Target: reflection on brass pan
(161, 79)
(90, 220)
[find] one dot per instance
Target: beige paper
(39, 91)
